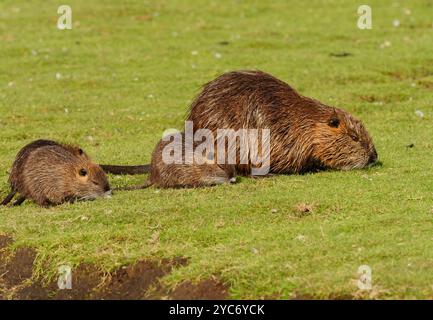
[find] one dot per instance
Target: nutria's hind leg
(19, 201)
(8, 198)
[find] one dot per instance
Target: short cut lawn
(128, 70)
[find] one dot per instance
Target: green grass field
(129, 70)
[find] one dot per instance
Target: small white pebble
(34, 52)
(386, 44)
(194, 53)
(274, 210)
(254, 250)
(217, 55)
(419, 113)
(396, 23)
(413, 84)
(150, 96)
(11, 84)
(58, 76)
(66, 110)
(301, 238)
(407, 12)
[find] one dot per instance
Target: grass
(129, 70)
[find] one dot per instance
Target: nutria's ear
(80, 151)
(334, 122)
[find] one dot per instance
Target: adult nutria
(171, 169)
(305, 134)
(50, 173)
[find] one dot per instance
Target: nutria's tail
(147, 184)
(126, 169)
(8, 198)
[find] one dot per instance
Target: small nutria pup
(305, 134)
(50, 173)
(173, 166)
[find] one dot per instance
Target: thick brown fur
(50, 173)
(305, 134)
(198, 173)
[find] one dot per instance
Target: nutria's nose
(373, 157)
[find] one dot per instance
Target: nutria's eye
(354, 137)
(80, 152)
(83, 172)
(334, 122)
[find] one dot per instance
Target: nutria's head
(78, 178)
(341, 142)
(89, 181)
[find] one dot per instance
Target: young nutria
(305, 134)
(171, 170)
(50, 173)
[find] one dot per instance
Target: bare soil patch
(140, 280)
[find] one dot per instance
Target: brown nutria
(50, 173)
(305, 134)
(185, 170)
